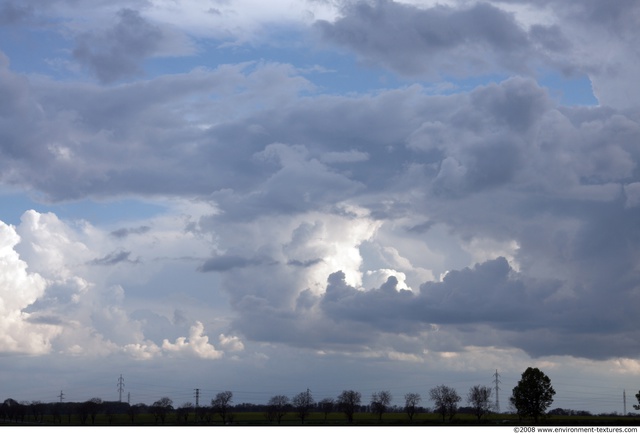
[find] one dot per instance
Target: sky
(324, 194)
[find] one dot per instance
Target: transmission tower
(624, 401)
(120, 387)
(61, 396)
(497, 382)
(197, 397)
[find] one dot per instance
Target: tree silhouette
(533, 394)
(161, 407)
(12, 410)
(348, 401)
(302, 404)
(37, 410)
(132, 411)
(411, 401)
(326, 405)
(277, 407)
(183, 412)
(446, 400)
(221, 405)
(479, 398)
(380, 402)
(93, 407)
(83, 411)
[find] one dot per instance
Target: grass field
(315, 419)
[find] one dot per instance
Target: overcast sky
(319, 194)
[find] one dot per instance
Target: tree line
(531, 397)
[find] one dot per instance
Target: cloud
(76, 144)
(19, 289)
(506, 213)
(113, 259)
(197, 344)
(417, 41)
(225, 263)
(521, 37)
(124, 232)
(632, 191)
(344, 157)
(71, 305)
(231, 343)
(526, 313)
(118, 52)
(12, 13)
(304, 263)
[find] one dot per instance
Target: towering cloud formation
(19, 288)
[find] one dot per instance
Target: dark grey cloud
(123, 111)
(228, 262)
(526, 313)
(549, 38)
(124, 232)
(44, 319)
(305, 263)
(14, 12)
(486, 293)
(420, 228)
(416, 41)
(118, 52)
(590, 32)
(464, 40)
(113, 259)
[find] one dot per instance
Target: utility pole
(624, 401)
(197, 397)
(120, 387)
(61, 396)
(497, 381)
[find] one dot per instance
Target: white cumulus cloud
(19, 288)
(197, 344)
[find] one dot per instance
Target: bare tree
(57, 412)
(277, 407)
(302, 404)
(161, 407)
(183, 412)
(37, 410)
(479, 398)
(446, 400)
(411, 402)
(326, 405)
(348, 401)
(221, 405)
(83, 410)
(110, 413)
(380, 402)
(93, 406)
(132, 411)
